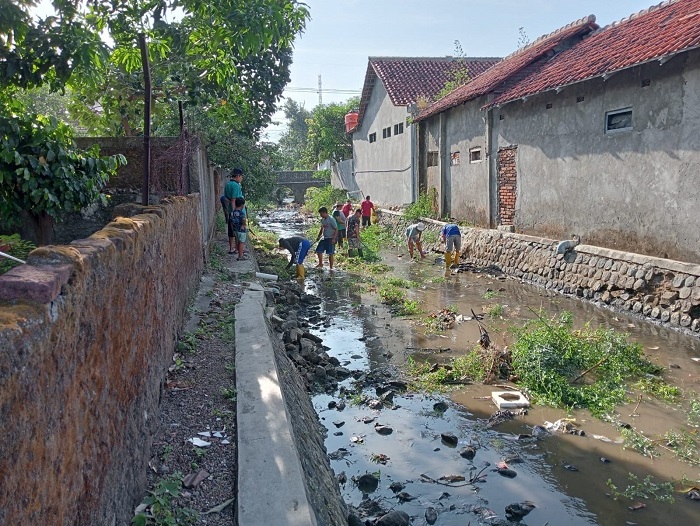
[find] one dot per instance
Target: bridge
(298, 181)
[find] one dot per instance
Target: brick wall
(507, 185)
(87, 332)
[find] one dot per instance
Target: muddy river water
(363, 335)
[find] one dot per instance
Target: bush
(424, 206)
(18, 248)
(326, 196)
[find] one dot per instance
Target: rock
(518, 510)
(354, 520)
(431, 516)
(375, 404)
(394, 518)
(440, 407)
(339, 423)
(342, 372)
(332, 404)
(320, 372)
(506, 472)
(367, 483)
(195, 479)
(468, 452)
(449, 439)
(382, 429)
(396, 486)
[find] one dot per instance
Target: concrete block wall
(87, 332)
(662, 290)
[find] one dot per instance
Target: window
(386, 133)
(548, 106)
(398, 128)
(475, 155)
(432, 158)
(373, 137)
(454, 159)
(580, 99)
(618, 120)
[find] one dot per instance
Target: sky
(342, 34)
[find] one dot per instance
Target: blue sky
(343, 33)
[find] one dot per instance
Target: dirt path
(198, 402)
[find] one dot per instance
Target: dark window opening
(646, 82)
(373, 137)
(398, 128)
(386, 132)
(475, 155)
(618, 120)
(549, 106)
(432, 158)
(580, 99)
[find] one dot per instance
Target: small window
(454, 159)
(475, 155)
(646, 83)
(386, 133)
(432, 158)
(618, 120)
(373, 137)
(398, 128)
(548, 106)
(580, 99)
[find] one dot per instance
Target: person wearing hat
(232, 191)
(413, 236)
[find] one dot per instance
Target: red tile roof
(408, 78)
(648, 35)
(511, 67)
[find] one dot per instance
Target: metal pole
(182, 116)
(146, 120)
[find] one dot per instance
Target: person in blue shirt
(452, 237)
(232, 191)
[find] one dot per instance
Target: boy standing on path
(452, 238)
(238, 219)
(329, 233)
(353, 231)
(367, 207)
(232, 190)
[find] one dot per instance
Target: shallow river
(363, 335)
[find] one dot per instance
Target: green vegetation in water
(15, 246)
(658, 388)
(490, 294)
(647, 488)
(584, 368)
(438, 279)
(424, 206)
(683, 445)
(161, 509)
(429, 377)
(392, 292)
(326, 196)
(494, 311)
(636, 441)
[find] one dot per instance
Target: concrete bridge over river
(298, 181)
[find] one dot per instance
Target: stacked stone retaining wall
(662, 290)
(87, 331)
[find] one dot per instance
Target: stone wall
(87, 332)
(662, 290)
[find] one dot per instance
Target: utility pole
(320, 91)
(146, 120)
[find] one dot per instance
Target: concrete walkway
(271, 490)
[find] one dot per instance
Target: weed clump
(570, 368)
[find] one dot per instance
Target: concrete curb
(271, 488)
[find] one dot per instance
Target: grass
(161, 509)
(429, 378)
(569, 368)
(490, 294)
(646, 489)
(229, 393)
(326, 196)
(424, 206)
(19, 248)
(494, 311)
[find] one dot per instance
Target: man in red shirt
(367, 207)
(347, 208)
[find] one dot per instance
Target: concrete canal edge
(284, 476)
(660, 290)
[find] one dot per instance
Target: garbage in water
(269, 277)
(509, 399)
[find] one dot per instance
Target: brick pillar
(507, 185)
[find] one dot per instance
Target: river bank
(360, 331)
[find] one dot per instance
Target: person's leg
(410, 247)
(458, 248)
(241, 236)
(419, 245)
(231, 237)
(330, 250)
(319, 252)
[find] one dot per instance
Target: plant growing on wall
(43, 173)
(458, 75)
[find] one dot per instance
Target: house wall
(468, 182)
(632, 190)
(383, 168)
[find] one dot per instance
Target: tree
(327, 139)
(42, 173)
(293, 141)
